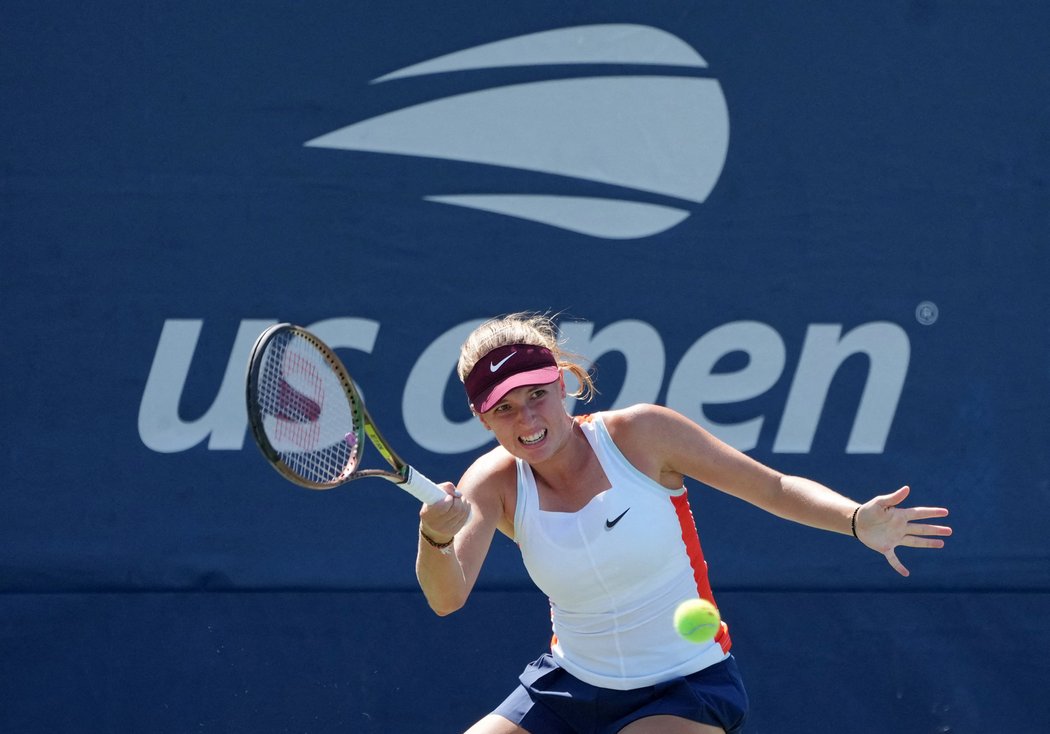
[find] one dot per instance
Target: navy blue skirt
(550, 700)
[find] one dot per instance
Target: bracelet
(852, 523)
(445, 548)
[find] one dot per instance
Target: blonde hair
(523, 327)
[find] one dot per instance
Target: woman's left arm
(676, 447)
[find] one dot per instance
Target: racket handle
(422, 488)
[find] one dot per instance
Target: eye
(539, 393)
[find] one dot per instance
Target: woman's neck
(572, 477)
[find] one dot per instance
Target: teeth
(534, 438)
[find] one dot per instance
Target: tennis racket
(309, 420)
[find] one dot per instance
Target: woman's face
(531, 422)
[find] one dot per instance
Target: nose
(527, 415)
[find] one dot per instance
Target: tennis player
(598, 508)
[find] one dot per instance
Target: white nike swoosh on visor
(495, 366)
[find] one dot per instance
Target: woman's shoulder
(638, 426)
(494, 468)
(640, 419)
(641, 433)
(648, 428)
(490, 484)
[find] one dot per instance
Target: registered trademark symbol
(926, 313)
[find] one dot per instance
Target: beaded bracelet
(445, 548)
(852, 523)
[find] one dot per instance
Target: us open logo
(659, 138)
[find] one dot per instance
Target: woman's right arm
(468, 517)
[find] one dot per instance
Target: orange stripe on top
(691, 538)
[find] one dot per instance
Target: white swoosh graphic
(667, 135)
(592, 44)
(619, 132)
(611, 219)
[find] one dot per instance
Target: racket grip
(422, 488)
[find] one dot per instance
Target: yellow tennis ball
(697, 620)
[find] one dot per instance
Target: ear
(483, 421)
(561, 383)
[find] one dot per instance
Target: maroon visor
(506, 368)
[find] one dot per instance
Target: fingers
(896, 526)
(894, 498)
(455, 508)
(895, 563)
(918, 536)
(914, 541)
(939, 530)
(448, 516)
(923, 513)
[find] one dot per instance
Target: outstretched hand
(882, 526)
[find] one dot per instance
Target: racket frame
(361, 420)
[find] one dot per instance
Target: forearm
(440, 576)
(811, 503)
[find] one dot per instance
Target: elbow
(443, 601)
(445, 607)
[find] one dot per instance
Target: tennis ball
(697, 620)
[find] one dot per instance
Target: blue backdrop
(822, 232)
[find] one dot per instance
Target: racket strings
(324, 466)
(306, 415)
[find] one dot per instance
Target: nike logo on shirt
(610, 524)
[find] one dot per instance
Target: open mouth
(534, 438)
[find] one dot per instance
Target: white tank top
(614, 572)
